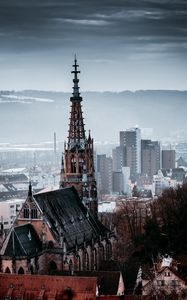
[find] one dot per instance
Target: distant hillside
(31, 116)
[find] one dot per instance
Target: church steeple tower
(78, 170)
(76, 134)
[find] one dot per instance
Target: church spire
(30, 189)
(78, 166)
(76, 137)
(76, 94)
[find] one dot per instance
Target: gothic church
(59, 231)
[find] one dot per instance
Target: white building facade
(8, 211)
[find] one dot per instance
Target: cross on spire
(76, 94)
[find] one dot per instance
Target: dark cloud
(60, 19)
(98, 29)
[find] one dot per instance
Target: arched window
(52, 266)
(21, 271)
(95, 259)
(7, 270)
(73, 165)
(81, 161)
(34, 213)
(87, 263)
(71, 267)
(108, 250)
(26, 213)
(101, 253)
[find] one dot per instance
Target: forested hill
(32, 116)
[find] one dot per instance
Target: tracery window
(26, 213)
(34, 213)
(73, 165)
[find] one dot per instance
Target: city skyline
(124, 45)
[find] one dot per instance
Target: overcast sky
(120, 44)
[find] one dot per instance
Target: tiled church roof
(46, 287)
(23, 241)
(67, 216)
(108, 282)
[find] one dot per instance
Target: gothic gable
(30, 209)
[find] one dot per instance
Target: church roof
(46, 287)
(23, 240)
(66, 216)
(108, 282)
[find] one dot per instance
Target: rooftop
(66, 215)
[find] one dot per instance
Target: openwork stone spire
(76, 134)
(78, 168)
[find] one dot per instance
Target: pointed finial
(89, 135)
(76, 94)
(62, 163)
(1, 226)
(30, 189)
(62, 173)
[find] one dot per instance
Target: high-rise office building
(118, 158)
(117, 182)
(150, 157)
(104, 174)
(168, 159)
(131, 140)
